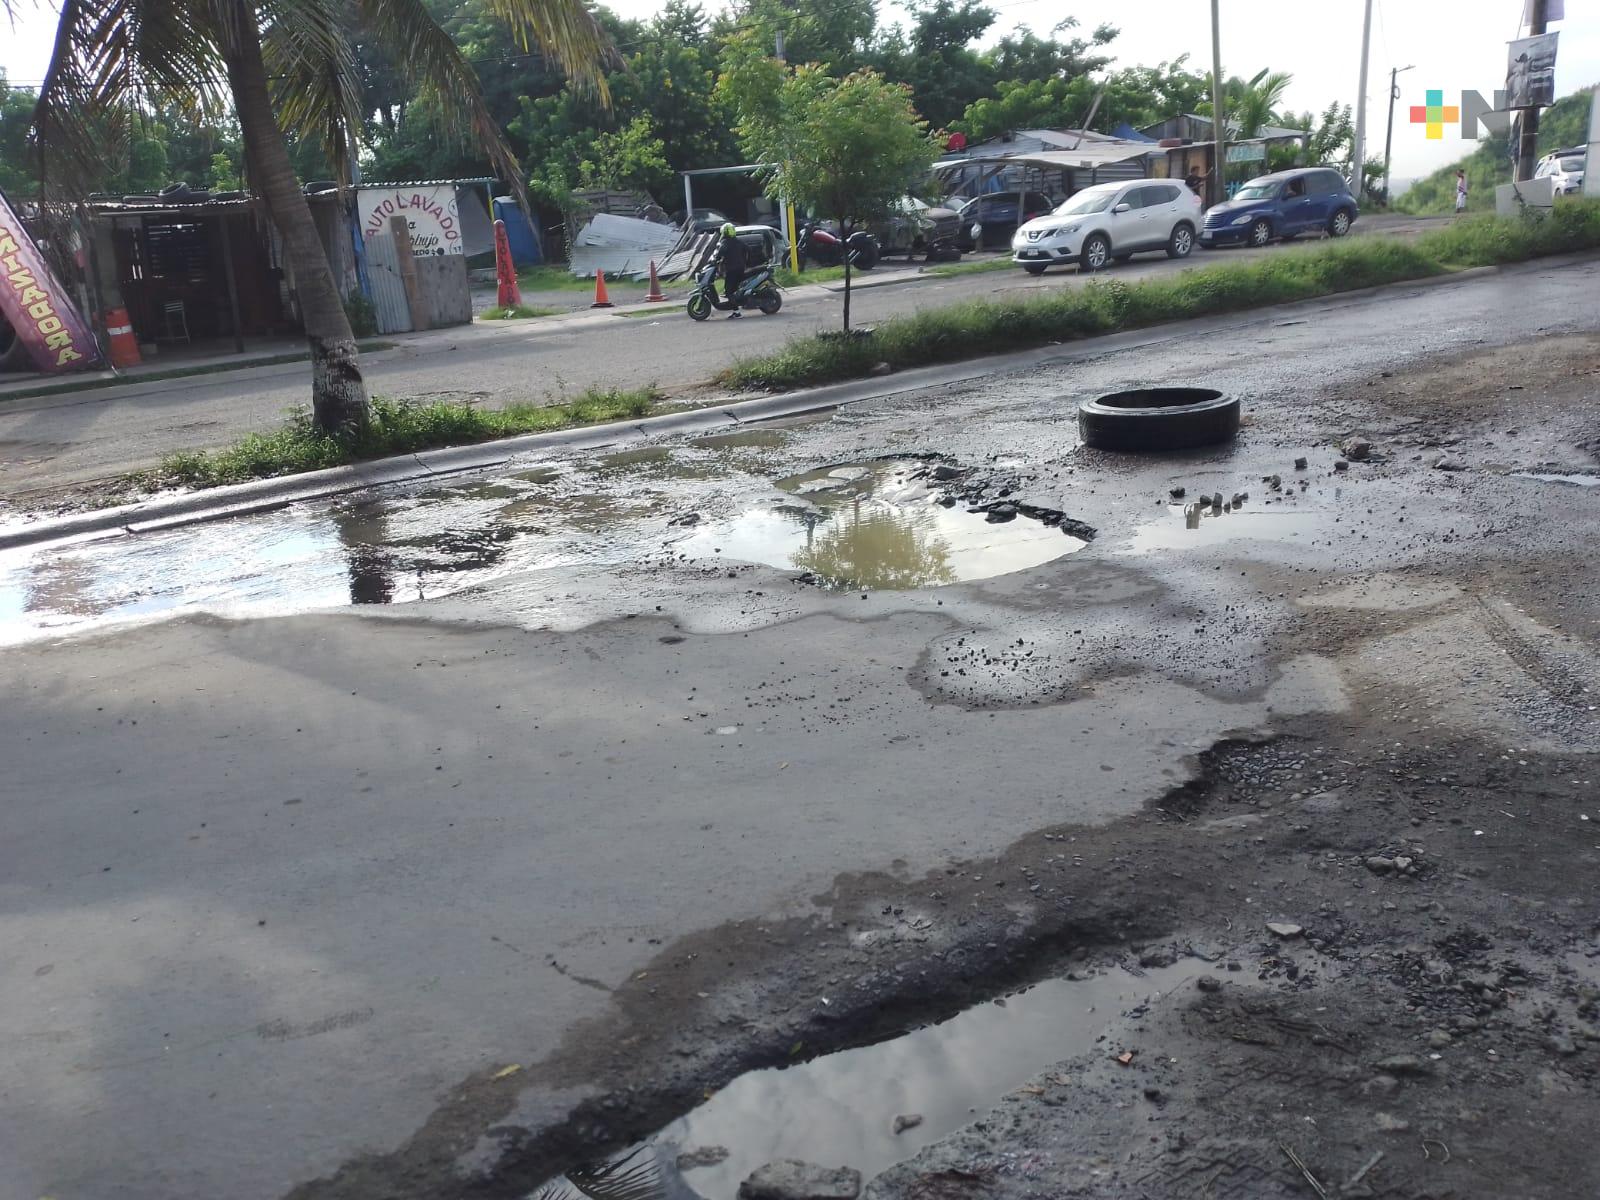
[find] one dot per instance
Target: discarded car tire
(1158, 419)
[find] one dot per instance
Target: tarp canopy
(1086, 157)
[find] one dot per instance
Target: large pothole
(874, 1106)
(885, 525)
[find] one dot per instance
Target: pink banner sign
(37, 306)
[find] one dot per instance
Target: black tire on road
(1339, 223)
(867, 257)
(1035, 269)
(1261, 233)
(771, 301)
(1154, 419)
(699, 307)
(1095, 254)
(1181, 241)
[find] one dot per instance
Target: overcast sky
(1455, 45)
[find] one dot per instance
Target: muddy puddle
(870, 525)
(879, 525)
(841, 1109)
(1186, 525)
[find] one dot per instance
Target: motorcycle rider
(733, 258)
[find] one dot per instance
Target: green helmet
(728, 229)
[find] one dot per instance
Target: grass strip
(398, 427)
(980, 327)
(514, 312)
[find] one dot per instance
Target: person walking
(734, 265)
(1461, 192)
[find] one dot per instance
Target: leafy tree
(849, 148)
(628, 158)
(936, 59)
(835, 33)
(1026, 57)
(287, 68)
(224, 173)
(18, 172)
(1137, 95)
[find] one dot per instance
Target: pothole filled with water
(854, 1108)
(1199, 524)
(1579, 479)
(883, 525)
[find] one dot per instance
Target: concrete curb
(263, 495)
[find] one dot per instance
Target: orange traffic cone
(654, 296)
(601, 299)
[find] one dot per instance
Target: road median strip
(980, 328)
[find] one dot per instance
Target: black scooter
(757, 290)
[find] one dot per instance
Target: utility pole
(1388, 138)
(1219, 134)
(786, 209)
(1527, 144)
(1358, 149)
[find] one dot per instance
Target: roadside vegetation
(397, 427)
(981, 327)
(1564, 123)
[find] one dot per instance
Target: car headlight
(1068, 229)
(1243, 219)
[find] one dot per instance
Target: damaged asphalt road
(441, 898)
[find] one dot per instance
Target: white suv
(1565, 169)
(1110, 221)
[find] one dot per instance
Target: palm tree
(1255, 102)
(113, 58)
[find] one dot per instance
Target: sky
(1454, 45)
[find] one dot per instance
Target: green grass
(980, 327)
(545, 278)
(398, 427)
(514, 312)
(788, 279)
(973, 268)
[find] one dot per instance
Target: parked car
(1110, 221)
(1283, 205)
(920, 228)
(1565, 169)
(991, 219)
(706, 220)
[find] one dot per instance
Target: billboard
(1531, 72)
(429, 209)
(37, 306)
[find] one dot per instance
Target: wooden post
(233, 285)
(406, 260)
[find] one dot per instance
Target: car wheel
(1260, 233)
(1181, 242)
(1033, 268)
(1096, 253)
(1339, 223)
(1158, 419)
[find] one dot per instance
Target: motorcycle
(823, 247)
(756, 290)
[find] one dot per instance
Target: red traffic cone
(505, 271)
(601, 299)
(654, 296)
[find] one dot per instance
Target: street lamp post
(1388, 138)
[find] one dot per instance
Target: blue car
(1283, 205)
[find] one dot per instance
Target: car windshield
(1257, 191)
(1572, 164)
(1085, 202)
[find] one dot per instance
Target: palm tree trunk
(339, 402)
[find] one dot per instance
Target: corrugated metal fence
(388, 289)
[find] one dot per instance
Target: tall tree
(287, 66)
(1254, 102)
(848, 148)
